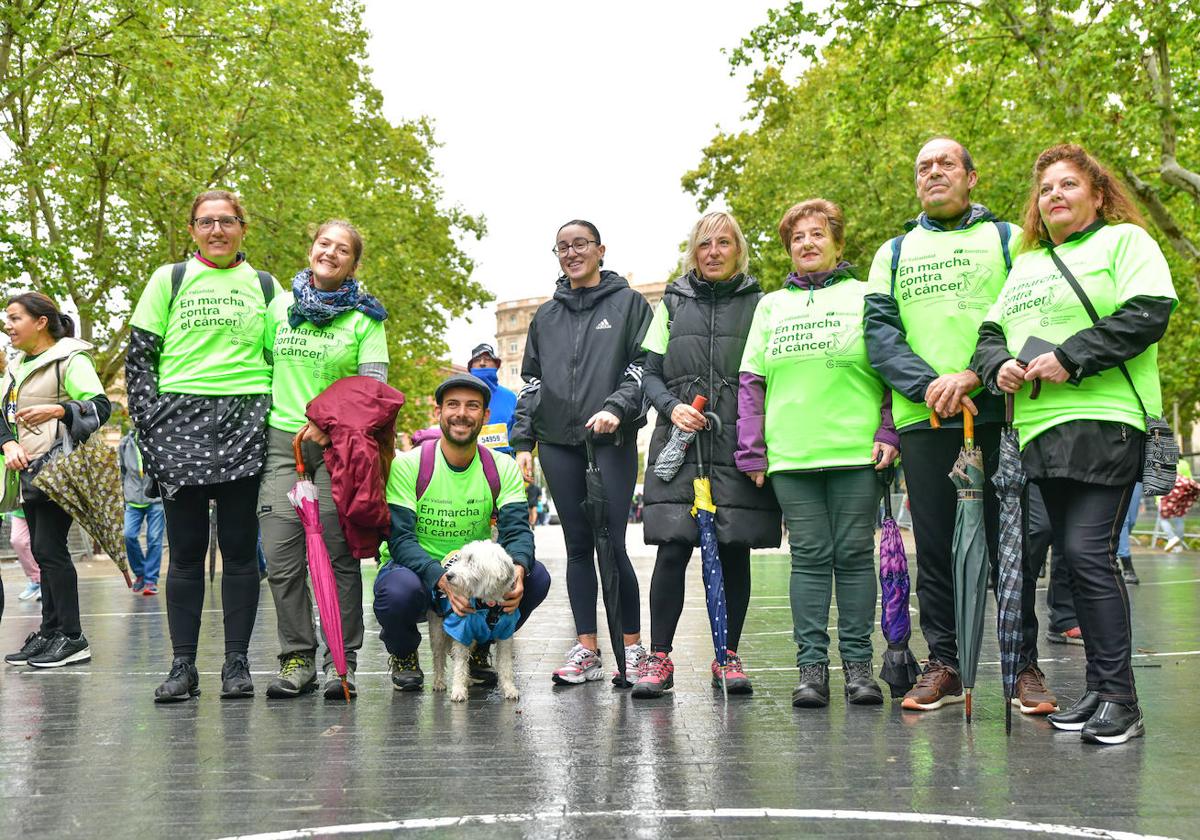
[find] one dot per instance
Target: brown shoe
(1033, 698)
(938, 686)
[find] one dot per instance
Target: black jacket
(709, 324)
(583, 354)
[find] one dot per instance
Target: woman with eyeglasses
(199, 390)
(583, 373)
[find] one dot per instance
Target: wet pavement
(85, 753)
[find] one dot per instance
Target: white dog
(481, 570)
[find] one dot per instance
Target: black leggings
(667, 587)
(237, 535)
(564, 467)
(48, 528)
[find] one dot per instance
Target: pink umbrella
(320, 571)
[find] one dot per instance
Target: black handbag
(1160, 453)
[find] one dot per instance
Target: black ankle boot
(181, 684)
(235, 677)
(813, 691)
(1113, 723)
(861, 688)
(1127, 571)
(1073, 719)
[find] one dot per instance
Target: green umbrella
(970, 555)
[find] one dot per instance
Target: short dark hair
(38, 305)
(586, 224)
(968, 162)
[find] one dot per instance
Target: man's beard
(453, 433)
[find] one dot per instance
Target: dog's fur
(482, 570)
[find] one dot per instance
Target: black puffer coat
(709, 323)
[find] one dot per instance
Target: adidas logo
(604, 325)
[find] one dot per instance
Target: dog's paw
(439, 685)
(458, 695)
(511, 693)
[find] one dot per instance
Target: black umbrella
(595, 505)
(1009, 481)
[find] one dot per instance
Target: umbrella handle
(296, 451)
(968, 425)
(1010, 402)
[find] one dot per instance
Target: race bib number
(494, 435)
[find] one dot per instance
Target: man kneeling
(443, 495)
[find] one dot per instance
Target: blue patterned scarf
(320, 307)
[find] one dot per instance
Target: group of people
(812, 392)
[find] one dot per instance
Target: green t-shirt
(945, 282)
(823, 396)
(660, 331)
(456, 507)
(213, 332)
(1112, 264)
(308, 358)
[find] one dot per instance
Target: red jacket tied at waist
(359, 415)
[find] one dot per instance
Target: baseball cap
(463, 380)
(483, 350)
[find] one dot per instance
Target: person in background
(485, 365)
(52, 388)
(142, 506)
(1124, 552)
(18, 538)
(533, 500)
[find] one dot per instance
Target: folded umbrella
(303, 497)
(671, 458)
(705, 512)
(900, 668)
(1010, 481)
(595, 506)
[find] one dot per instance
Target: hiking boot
(582, 665)
(139, 583)
(861, 688)
(1073, 719)
(333, 684)
(31, 590)
(406, 672)
(1033, 698)
(1127, 572)
(1074, 636)
(35, 643)
(297, 675)
(235, 677)
(813, 690)
(482, 672)
(182, 683)
(63, 650)
(1114, 723)
(656, 675)
(938, 685)
(634, 654)
(736, 681)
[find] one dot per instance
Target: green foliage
(115, 115)
(1007, 79)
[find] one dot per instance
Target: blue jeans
(402, 602)
(146, 565)
(1135, 504)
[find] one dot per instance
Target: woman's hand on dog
(513, 599)
(460, 605)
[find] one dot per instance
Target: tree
(1008, 79)
(131, 109)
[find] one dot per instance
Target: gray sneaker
(297, 675)
(333, 684)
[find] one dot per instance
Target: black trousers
(237, 535)
(667, 589)
(929, 454)
(1041, 538)
(48, 528)
(1087, 519)
(564, 467)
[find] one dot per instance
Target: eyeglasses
(580, 246)
(206, 223)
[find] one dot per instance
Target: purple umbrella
(900, 668)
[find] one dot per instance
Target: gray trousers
(287, 559)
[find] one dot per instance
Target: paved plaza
(85, 753)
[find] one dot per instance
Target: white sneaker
(1172, 544)
(582, 665)
(32, 590)
(634, 656)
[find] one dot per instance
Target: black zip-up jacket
(583, 354)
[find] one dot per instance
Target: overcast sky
(553, 111)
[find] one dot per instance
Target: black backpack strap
(267, 282)
(177, 271)
(896, 243)
(1005, 231)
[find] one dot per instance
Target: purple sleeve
(886, 433)
(751, 453)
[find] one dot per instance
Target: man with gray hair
(928, 291)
